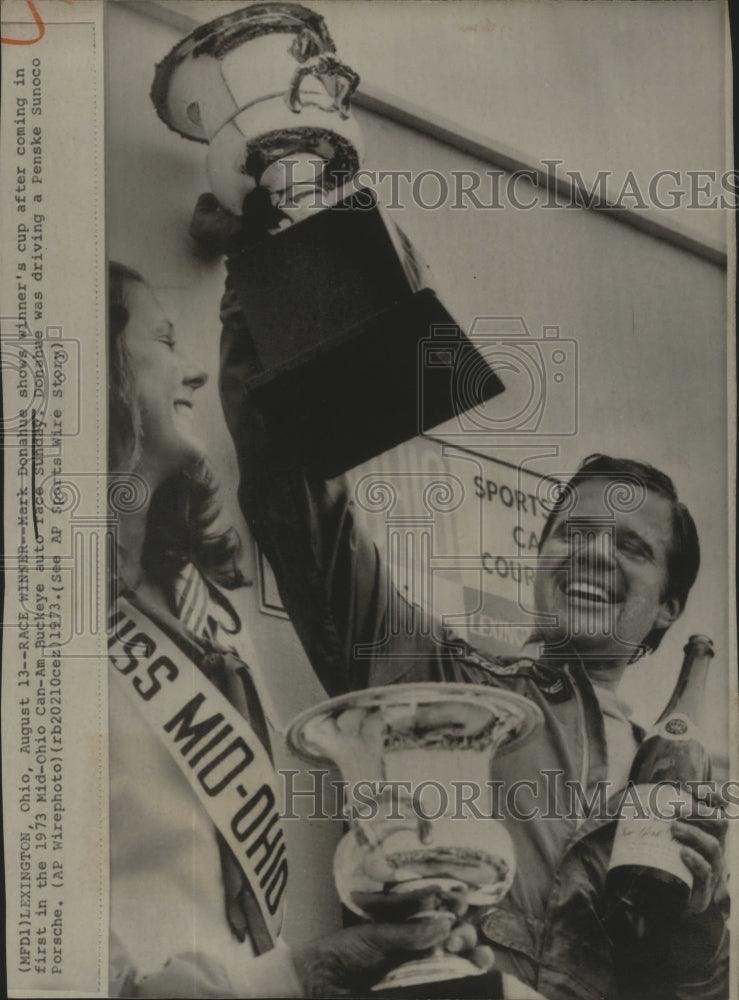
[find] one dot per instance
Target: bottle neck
(688, 696)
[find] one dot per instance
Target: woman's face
(164, 384)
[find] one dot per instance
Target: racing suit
(554, 929)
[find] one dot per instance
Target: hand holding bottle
(655, 861)
(703, 839)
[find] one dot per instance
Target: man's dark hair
(683, 556)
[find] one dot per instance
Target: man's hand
(703, 836)
(348, 962)
(214, 229)
(217, 232)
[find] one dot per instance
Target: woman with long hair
(151, 434)
(195, 900)
(176, 917)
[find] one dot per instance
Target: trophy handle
(339, 80)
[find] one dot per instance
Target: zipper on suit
(585, 766)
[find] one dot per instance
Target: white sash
(213, 745)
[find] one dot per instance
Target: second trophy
(406, 753)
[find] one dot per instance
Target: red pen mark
(39, 24)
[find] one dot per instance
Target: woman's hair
(183, 510)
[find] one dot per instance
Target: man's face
(604, 574)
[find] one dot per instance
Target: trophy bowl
(408, 754)
(259, 85)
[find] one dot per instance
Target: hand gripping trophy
(337, 304)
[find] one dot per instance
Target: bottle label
(643, 835)
(677, 727)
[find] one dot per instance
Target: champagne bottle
(646, 876)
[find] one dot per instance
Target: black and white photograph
(369, 428)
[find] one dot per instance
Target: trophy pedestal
(353, 352)
(487, 985)
(422, 971)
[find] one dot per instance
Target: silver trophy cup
(260, 86)
(337, 306)
(405, 752)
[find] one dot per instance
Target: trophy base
(365, 394)
(350, 353)
(429, 977)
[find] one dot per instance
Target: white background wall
(602, 86)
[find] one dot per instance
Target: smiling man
(617, 559)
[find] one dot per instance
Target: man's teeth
(587, 592)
